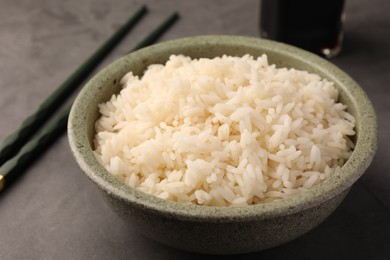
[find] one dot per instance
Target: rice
(223, 131)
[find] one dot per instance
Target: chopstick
(156, 33)
(31, 150)
(52, 130)
(29, 126)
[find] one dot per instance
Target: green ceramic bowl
(221, 230)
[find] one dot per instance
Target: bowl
(221, 230)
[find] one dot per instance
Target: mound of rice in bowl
(223, 131)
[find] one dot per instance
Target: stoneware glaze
(221, 230)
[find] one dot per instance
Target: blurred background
(53, 212)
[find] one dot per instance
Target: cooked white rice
(223, 131)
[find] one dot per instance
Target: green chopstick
(156, 33)
(30, 125)
(53, 129)
(31, 150)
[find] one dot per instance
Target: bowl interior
(107, 82)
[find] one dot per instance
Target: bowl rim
(361, 157)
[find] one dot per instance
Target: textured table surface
(54, 212)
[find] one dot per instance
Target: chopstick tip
(1, 182)
(144, 8)
(176, 15)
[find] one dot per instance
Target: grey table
(53, 211)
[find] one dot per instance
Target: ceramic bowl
(221, 230)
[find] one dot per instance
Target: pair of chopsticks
(19, 149)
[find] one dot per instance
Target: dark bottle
(314, 25)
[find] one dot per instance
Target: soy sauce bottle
(314, 25)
